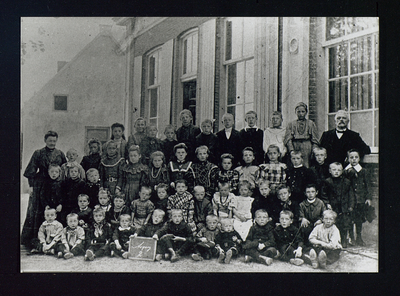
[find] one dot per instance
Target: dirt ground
(354, 259)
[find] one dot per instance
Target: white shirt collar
(247, 127)
(312, 200)
(83, 209)
(299, 166)
(228, 130)
(358, 167)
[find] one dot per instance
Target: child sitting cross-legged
(72, 238)
(242, 210)
(205, 239)
(227, 241)
(176, 236)
(289, 241)
(202, 207)
(149, 230)
(260, 242)
(49, 234)
(325, 240)
(120, 237)
(98, 235)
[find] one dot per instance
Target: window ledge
(371, 158)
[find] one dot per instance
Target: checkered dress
(275, 173)
(183, 202)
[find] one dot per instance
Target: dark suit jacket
(337, 148)
(231, 146)
(254, 139)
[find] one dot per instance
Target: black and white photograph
(199, 144)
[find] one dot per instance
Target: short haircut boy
(127, 216)
(228, 115)
(203, 147)
(260, 211)
(286, 212)
(181, 181)
(338, 164)
(159, 211)
(99, 210)
(311, 186)
(211, 218)
(72, 215)
(91, 171)
(207, 121)
(251, 112)
(277, 113)
(51, 210)
(223, 184)
(329, 212)
(198, 188)
(170, 127)
(248, 149)
(320, 149)
(282, 187)
(176, 211)
(297, 152)
(83, 196)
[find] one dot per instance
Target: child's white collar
(84, 208)
(312, 201)
(358, 167)
(299, 166)
(247, 127)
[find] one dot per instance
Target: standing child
(158, 172)
(110, 167)
(83, 211)
(227, 241)
(260, 242)
(205, 238)
(358, 177)
(137, 137)
(223, 201)
(72, 239)
(320, 169)
(286, 204)
(188, 132)
(117, 130)
(132, 175)
(275, 135)
(338, 195)
(142, 208)
(263, 200)
(252, 136)
(301, 134)
(311, 211)
(175, 236)
(182, 200)
(248, 171)
(298, 176)
(121, 236)
(207, 138)
(203, 170)
(169, 142)
(180, 168)
(94, 158)
(226, 174)
(72, 155)
(117, 210)
(242, 210)
(202, 207)
(325, 239)
(98, 236)
(49, 234)
(51, 194)
(150, 144)
(228, 139)
(289, 241)
(162, 197)
(104, 200)
(92, 185)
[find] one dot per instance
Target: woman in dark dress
(37, 172)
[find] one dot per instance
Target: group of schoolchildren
(206, 195)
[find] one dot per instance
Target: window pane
(360, 55)
(376, 129)
(189, 54)
(376, 51)
(361, 123)
(152, 70)
(228, 44)
(376, 90)
(232, 84)
(195, 52)
(361, 92)
(334, 27)
(237, 37)
(331, 122)
(153, 102)
(338, 60)
(60, 103)
(240, 123)
(249, 24)
(185, 57)
(240, 82)
(338, 95)
(249, 81)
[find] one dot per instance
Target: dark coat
(149, 229)
(339, 194)
(337, 148)
(269, 203)
(182, 229)
(359, 183)
(260, 234)
(187, 135)
(297, 179)
(253, 138)
(201, 210)
(211, 142)
(285, 236)
(231, 145)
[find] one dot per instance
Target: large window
(352, 50)
(153, 85)
(239, 67)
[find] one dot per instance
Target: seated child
(51, 195)
(169, 143)
(263, 200)
(325, 240)
(149, 230)
(92, 185)
(49, 234)
(248, 171)
(226, 174)
(117, 210)
(358, 177)
(223, 201)
(93, 159)
(242, 220)
(227, 241)
(150, 144)
(180, 168)
(207, 138)
(274, 171)
(175, 236)
(142, 208)
(338, 196)
(320, 168)
(310, 211)
(298, 176)
(72, 155)
(286, 204)
(98, 236)
(83, 211)
(121, 235)
(203, 170)
(202, 207)
(104, 200)
(260, 242)
(72, 239)
(182, 200)
(162, 195)
(289, 241)
(205, 239)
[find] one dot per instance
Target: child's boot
(322, 259)
(296, 261)
(228, 256)
(197, 257)
(266, 260)
(89, 255)
(313, 259)
(68, 255)
(221, 257)
(359, 240)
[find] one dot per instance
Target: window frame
(191, 75)
(374, 72)
(156, 85)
